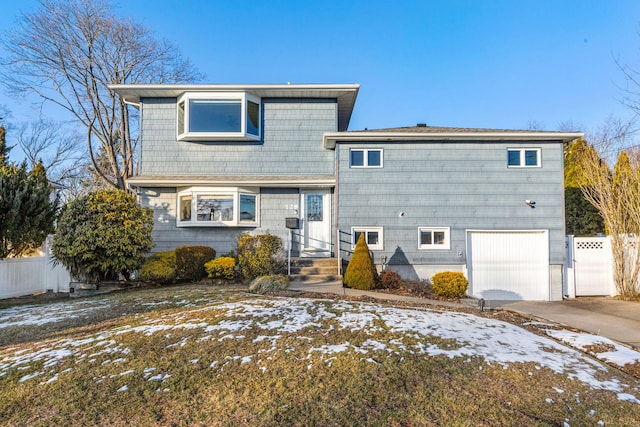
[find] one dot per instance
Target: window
(372, 235)
(434, 238)
(218, 116)
(523, 157)
(366, 158)
(215, 207)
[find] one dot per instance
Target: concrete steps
(314, 269)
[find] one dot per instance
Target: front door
(316, 223)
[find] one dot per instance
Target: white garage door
(508, 265)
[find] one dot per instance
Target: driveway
(608, 317)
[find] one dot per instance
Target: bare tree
(55, 144)
(615, 192)
(69, 51)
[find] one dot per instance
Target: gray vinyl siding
(291, 142)
(274, 206)
(450, 184)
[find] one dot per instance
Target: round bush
(102, 235)
(260, 255)
(389, 279)
(361, 272)
(159, 268)
(264, 284)
(223, 268)
(450, 284)
(190, 261)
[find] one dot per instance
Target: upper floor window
(202, 206)
(523, 157)
(218, 116)
(365, 158)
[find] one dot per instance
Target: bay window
(217, 207)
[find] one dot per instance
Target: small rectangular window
(434, 238)
(247, 208)
(365, 158)
(253, 118)
(372, 235)
(185, 208)
(523, 157)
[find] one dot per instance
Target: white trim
(522, 151)
(446, 245)
(379, 230)
(330, 139)
(365, 160)
(242, 97)
(233, 192)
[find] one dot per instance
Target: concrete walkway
(611, 318)
(608, 317)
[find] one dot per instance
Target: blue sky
(493, 64)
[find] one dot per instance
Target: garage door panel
(511, 265)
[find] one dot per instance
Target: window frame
(365, 158)
(523, 157)
(433, 246)
(183, 133)
(377, 247)
(235, 193)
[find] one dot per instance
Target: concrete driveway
(610, 318)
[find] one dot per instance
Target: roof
(438, 133)
(345, 94)
(233, 180)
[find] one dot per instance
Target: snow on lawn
(25, 315)
(466, 336)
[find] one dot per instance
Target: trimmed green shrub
(223, 268)
(450, 284)
(389, 279)
(190, 261)
(159, 268)
(272, 283)
(361, 272)
(260, 255)
(102, 235)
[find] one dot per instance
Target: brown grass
(202, 379)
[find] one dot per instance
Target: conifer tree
(361, 272)
(27, 213)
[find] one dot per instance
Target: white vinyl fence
(590, 267)
(26, 276)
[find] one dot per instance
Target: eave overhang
(317, 181)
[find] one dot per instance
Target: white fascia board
(331, 138)
(186, 182)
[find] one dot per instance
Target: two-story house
(216, 161)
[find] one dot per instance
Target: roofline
(150, 181)
(331, 138)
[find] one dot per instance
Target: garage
(508, 265)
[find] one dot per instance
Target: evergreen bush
(223, 268)
(449, 284)
(361, 272)
(190, 261)
(159, 268)
(102, 235)
(260, 255)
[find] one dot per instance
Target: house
(217, 161)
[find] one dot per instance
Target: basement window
(372, 235)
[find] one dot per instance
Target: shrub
(389, 279)
(159, 268)
(272, 283)
(103, 234)
(260, 255)
(361, 272)
(221, 268)
(450, 284)
(190, 261)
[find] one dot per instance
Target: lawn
(216, 356)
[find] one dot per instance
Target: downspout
(336, 200)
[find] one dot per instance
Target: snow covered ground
(495, 341)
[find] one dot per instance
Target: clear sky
(493, 64)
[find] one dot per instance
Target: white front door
(316, 223)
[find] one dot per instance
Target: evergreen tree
(27, 213)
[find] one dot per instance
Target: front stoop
(314, 269)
